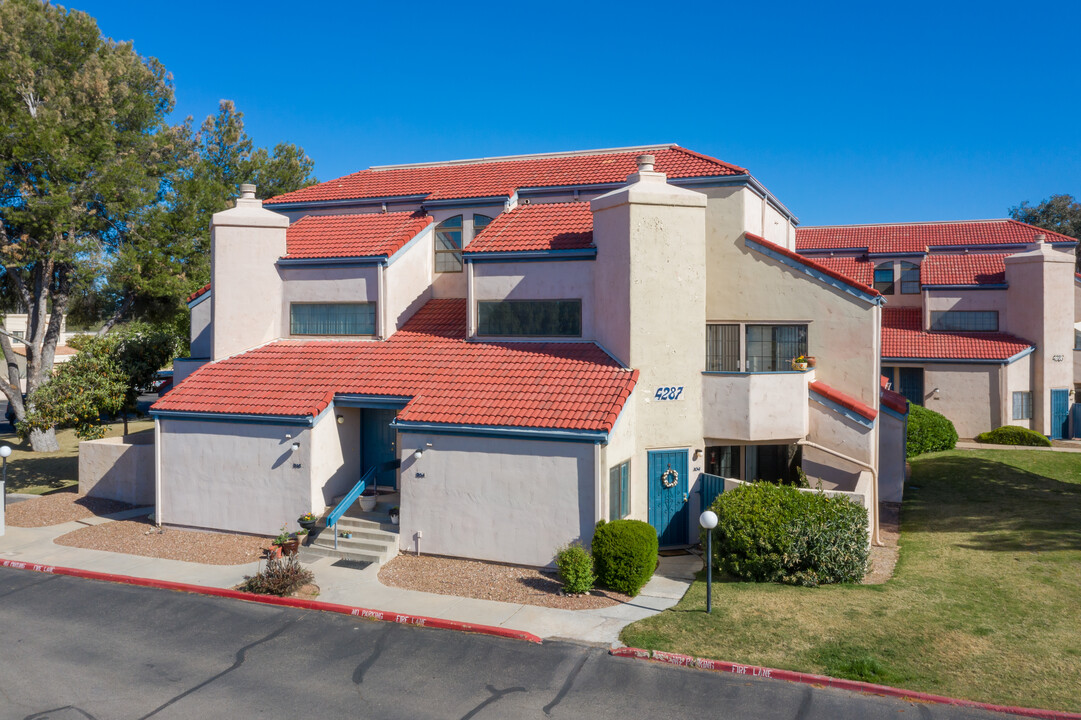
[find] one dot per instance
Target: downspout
(157, 471)
(598, 487)
(381, 294)
(875, 539)
(470, 317)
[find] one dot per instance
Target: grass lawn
(985, 602)
(37, 473)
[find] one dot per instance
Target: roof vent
(645, 163)
(247, 191)
(1040, 238)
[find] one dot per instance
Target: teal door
(668, 508)
(1060, 414)
(379, 446)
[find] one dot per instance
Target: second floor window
(448, 245)
(530, 318)
(722, 348)
(910, 278)
(884, 278)
(964, 321)
(772, 348)
(332, 319)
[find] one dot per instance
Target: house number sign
(668, 392)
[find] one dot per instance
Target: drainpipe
(598, 483)
(381, 300)
(875, 539)
(157, 472)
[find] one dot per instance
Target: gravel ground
(60, 508)
(883, 559)
(488, 581)
(141, 537)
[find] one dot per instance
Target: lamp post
(708, 520)
(4, 452)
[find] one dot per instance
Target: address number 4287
(668, 392)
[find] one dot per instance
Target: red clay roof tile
(341, 236)
(916, 237)
(199, 293)
(550, 226)
(903, 337)
(502, 177)
(450, 379)
(963, 269)
(843, 399)
(814, 264)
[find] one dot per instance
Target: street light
(708, 520)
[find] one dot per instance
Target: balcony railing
(755, 406)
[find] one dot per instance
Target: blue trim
(1014, 358)
(531, 255)
(201, 298)
(811, 272)
(918, 253)
(892, 413)
(332, 262)
(339, 509)
(988, 286)
(304, 205)
(971, 361)
(840, 409)
(192, 359)
(853, 252)
(292, 420)
(757, 372)
(593, 436)
(375, 402)
(486, 201)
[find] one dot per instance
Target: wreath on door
(669, 478)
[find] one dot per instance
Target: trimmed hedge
(575, 569)
(928, 431)
(1013, 435)
(775, 533)
(624, 555)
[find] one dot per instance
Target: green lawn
(37, 473)
(985, 602)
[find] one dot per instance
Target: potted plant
(800, 363)
(307, 521)
(394, 514)
(286, 544)
(368, 499)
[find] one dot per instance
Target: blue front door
(379, 446)
(1060, 414)
(668, 508)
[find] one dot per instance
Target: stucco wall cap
(647, 191)
(1043, 252)
(249, 212)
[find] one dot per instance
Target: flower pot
(291, 547)
(812, 361)
(308, 525)
(368, 502)
(274, 552)
(799, 366)
(394, 519)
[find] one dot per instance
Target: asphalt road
(72, 649)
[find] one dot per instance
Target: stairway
(375, 538)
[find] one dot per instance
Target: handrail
(339, 509)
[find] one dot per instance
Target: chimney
(247, 191)
(1040, 238)
(646, 173)
(645, 163)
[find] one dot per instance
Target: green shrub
(1013, 435)
(775, 533)
(575, 569)
(624, 555)
(281, 577)
(928, 431)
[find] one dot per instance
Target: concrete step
(368, 522)
(369, 542)
(319, 550)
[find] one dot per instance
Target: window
(774, 463)
(722, 348)
(1022, 406)
(771, 348)
(20, 334)
(723, 461)
(332, 318)
(910, 278)
(479, 223)
(964, 321)
(884, 278)
(540, 318)
(1077, 339)
(619, 491)
(448, 245)
(910, 384)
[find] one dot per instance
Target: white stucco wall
(234, 476)
(504, 500)
(563, 280)
(118, 468)
(970, 396)
(335, 456)
(756, 406)
(621, 447)
(891, 457)
(1018, 378)
(836, 431)
(326, 285)
(966, 300)
(200, 330)
(409, 280)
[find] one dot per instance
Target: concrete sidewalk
(362, 587)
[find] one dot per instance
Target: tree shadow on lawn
(48, 471)
(1001, 507)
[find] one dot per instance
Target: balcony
(755, 407)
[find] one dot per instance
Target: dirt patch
(488, 581)
(883, 559)
(141, 537)
(60, 508)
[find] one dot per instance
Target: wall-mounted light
(296, 446)
(420, 451)
(697, 453)
(341, 419)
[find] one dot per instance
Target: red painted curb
(402, 618)
(824, 681)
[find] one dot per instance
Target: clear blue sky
(862, 112)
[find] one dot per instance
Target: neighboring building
(521, 347)
(979, 321)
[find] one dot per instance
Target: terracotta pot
(274, 551)
(812, 361)
(291, 547)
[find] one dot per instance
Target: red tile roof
(199, 293)
(814, 265)
(963, 269)
(341, 236)
(903, 337)
(502, 177)
(894, 400)
(450, 380)
(843, 399)
(915, 237)
(856, 269)
(551, 226)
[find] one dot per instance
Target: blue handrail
(339, 510)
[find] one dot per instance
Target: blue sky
(849, 113)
